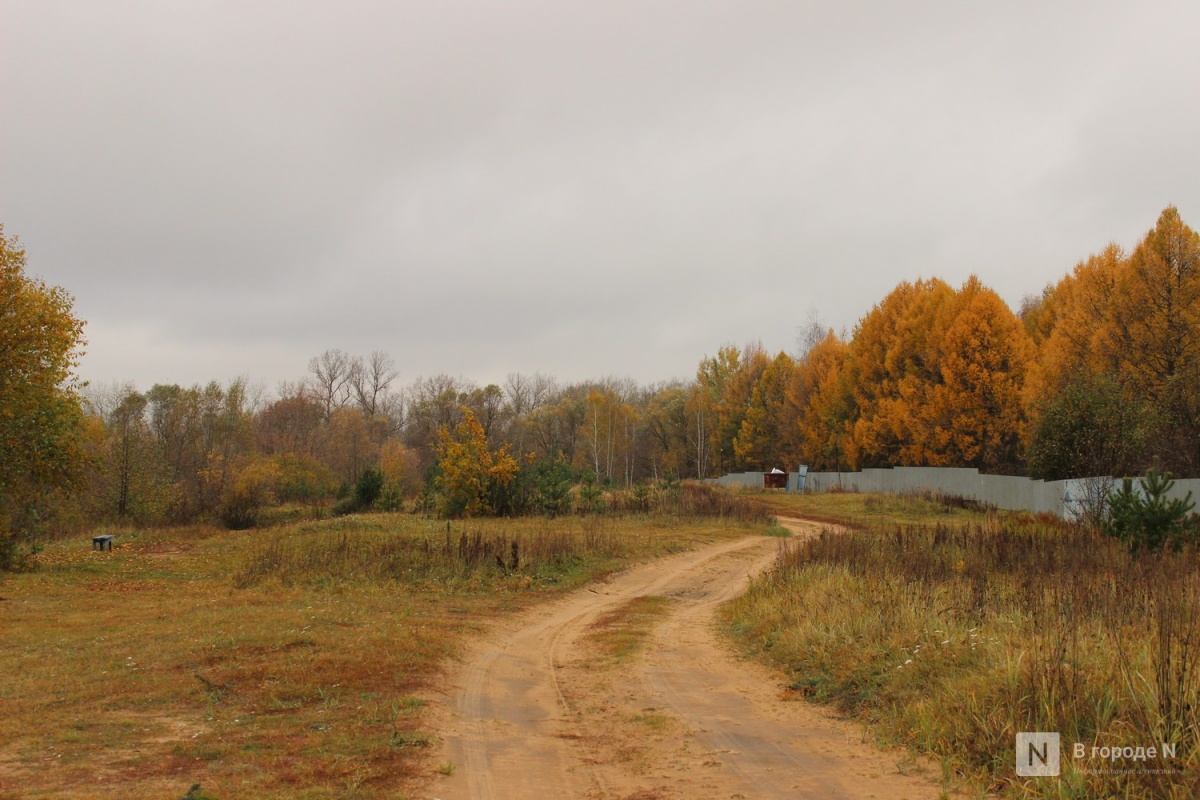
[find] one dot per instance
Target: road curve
(530, 715)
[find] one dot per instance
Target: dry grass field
(286, 663)
(950, 630)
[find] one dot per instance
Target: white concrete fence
(1068, 498)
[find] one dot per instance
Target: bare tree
(392, 408)
(812, 333)
(1086, 500)
(289, 389)
(554, 427)
(102, 399)
(526, 393)
(289, 425)
(329, 381)
(370, 380)
(490, 409)
(433, 403)
(254, 394)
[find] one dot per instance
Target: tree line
(1099, 374)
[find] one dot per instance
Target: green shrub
(552, 486)
(345, 506)
(14, 554)
(390, 498)
(1146, 519)
(591, 496)
(368, 488)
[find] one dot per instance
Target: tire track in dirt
(513, 728)
(533, 717)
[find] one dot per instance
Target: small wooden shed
(775, 479)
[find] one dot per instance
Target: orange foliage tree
(1154, 335)
(935, 378)
(1130, 324)
(893, 365)
(975, 417)
(820, 388)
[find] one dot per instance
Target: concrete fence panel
(1010, 492)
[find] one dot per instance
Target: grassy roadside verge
(860, 510)
(272, 664)
(953, 632)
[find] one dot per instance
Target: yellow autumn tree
(712, 411)
(41, 420)
(472, 475)
(608, 433)
(765, 439)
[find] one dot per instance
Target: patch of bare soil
(533, 713)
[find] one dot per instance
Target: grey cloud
(578, 189)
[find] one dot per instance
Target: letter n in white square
(1037, 754)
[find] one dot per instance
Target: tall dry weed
(954, 639)
(442, 552)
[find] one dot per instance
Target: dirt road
(536, 714)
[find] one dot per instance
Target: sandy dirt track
(532, 713)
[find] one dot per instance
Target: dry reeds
(955, 639)
(689, 500)
(438, 554)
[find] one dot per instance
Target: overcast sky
(581, 189)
